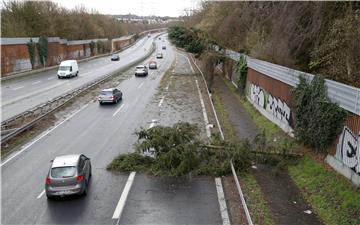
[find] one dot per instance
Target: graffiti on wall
(347, 149)
(271, 104)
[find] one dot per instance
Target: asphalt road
(21, 94)
(101, 133)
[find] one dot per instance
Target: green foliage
(241, 73)
(192, 40)
(217, 156)
(318, 121)
(178, 152)
(175, 147)
(335, 200)
(31, 49)
(92, 48)
(102, 47)
(42, 48)
(130, 162)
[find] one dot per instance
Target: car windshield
(114, 56)
(106, 93)
(61, 172)
(64, 68)
(140, 67)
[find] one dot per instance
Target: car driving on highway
(159, 55)
(68, 68)
(68, 175)
(152, 65)
(110, 95)
(141, 70)
(115, 57)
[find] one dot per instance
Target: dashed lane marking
(140, 85)
(121, 204)
(36, 82)
(161, 101)
(119, 109)
(17, 88)
(41, 194)
(206, 120)
(43, 135)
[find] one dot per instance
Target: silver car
(110, 95)
(141, 70)
(68, 175)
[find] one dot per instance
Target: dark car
(68, 175)
(164, 47)
(111, 95)
(115, 57)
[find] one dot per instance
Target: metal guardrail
(43, 110)
(346, 96)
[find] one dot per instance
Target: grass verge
(262, 122)
(259, 210)
(260, 213)
(335, 199)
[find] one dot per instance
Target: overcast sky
(138, 7)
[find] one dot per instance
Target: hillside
(316, 37)
(37, 18)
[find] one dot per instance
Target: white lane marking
(51, 78)
(17, 88)
(167, 87)
(120, 206)
(206, 120)
(36, 82)
(152, 124)
(222, 201)
(140, 85)
(43, 135)
(119, 109)
(192, 69)
(41, 194)
(161, 101)
(212, 104)
(31, 94)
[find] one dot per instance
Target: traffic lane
(154, 200)
(93, 132)
(21, 86)
(29, 100)
(169, 200)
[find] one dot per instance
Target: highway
(101, 133)
(21, 94)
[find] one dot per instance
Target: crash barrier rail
(243, 202)
(43, 110)
(346, 96)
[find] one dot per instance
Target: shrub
(31, 48)
(42, 48)
(241, 73)
(318, 121)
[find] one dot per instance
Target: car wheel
(59, 77)
(77, 73)
(100, 103)
(85, 189)
(49, 197)
(116, 100)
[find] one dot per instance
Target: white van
(68, 68)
